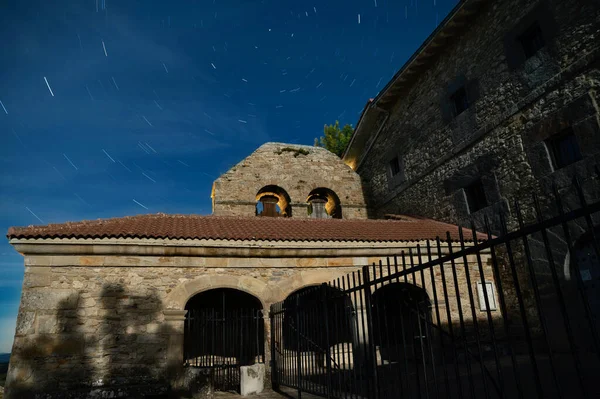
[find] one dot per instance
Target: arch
(307, 304)
(401, 320)
(225, 329)
(333, 206)
(278, 194)
(178, 298)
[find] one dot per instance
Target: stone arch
(402, 308)
(333, 205)
(177, 299)
(284, 202)
(304, 280)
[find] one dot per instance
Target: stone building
(501, 100)
(105, 303)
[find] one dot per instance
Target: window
(395, 166)
(475, 194)
(459, 101)
(532, 40)
(489, 288)
(564, 149)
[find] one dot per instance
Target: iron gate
(473, 315)
(224, 340)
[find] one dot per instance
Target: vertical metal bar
(365, 367)
(351, 332)
(374, 394)
(298, 365)
(460, 315)
(386, 333)
(561, 300)
(490, 321)
(345, 327)
(412, 332)
(511, 261)
(449, 321)
(358, 367)
(473, 312)
(274, 371)
(503, 311)
(439, 324)
(340, 345)
(403, 330)
(402, 377)
(336, 352)
(536, 293)
(377, 327)
(426, 324)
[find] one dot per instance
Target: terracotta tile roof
(161, 226)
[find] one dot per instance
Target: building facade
(499, 102)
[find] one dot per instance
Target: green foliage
(296, 151)
(335, 139)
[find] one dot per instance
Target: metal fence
(512, 315)
(224, 340)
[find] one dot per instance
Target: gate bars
(511, 315)
(223, 340)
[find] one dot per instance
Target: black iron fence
(510, 315)
(223, 340)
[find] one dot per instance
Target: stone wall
(117, 329)
(514, 107)
(296, 169)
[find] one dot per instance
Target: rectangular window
(459, 101)
(395, 166)
(489, 288)
(564, 149)
(475, 194)
(532, 39)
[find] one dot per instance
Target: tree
(335, 139)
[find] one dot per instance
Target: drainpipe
(387, 116)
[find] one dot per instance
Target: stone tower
(289, 180)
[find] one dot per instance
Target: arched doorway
(402, 322)
(224, 330)
(313, 329)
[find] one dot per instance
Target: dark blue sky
(122, 107)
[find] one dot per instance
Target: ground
(267, 394)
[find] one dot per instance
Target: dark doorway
(224, 330)
(402, 320)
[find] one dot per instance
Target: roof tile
(163, 226)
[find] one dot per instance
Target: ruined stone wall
(118, 329)
(500, 136)
(295, 168)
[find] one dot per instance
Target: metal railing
(515, 315)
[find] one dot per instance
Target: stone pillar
(175, 322)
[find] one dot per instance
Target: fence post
(298, 359)
(325, 299)
(274, 376)
(372, 358)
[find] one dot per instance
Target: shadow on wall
(109, 345)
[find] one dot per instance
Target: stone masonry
(95, 323)
(514, 106)
(295, 168)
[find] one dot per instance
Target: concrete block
(252, 379)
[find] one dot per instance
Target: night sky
(111, 108)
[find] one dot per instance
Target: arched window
(323, 203)
(273, 201)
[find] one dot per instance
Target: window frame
(554, 151)
(474, 193)
(535, 26)
(453, 98)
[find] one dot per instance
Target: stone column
(175, 323)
